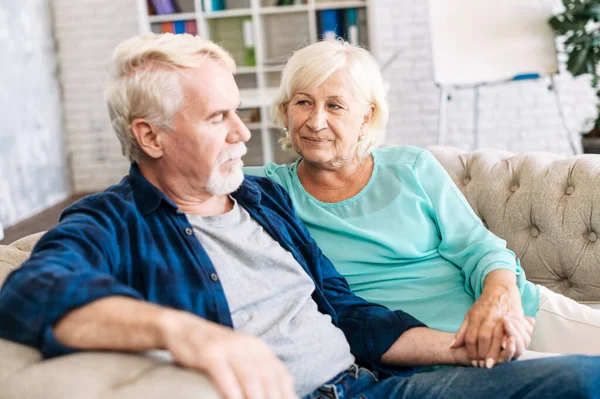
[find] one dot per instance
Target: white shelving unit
(277, 31)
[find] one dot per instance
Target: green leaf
(577, 62)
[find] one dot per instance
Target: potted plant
(579, 27)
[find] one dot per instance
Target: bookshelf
(276, 31)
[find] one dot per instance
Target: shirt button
(189, 231)
(570, 190)
(514, 188)
(214, 277)
(592, 236)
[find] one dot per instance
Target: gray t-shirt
(269, 296)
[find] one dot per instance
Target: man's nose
(239, 131)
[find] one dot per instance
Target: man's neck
(189, 199)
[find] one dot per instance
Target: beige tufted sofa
(545, 206)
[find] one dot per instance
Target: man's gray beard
(224, 183)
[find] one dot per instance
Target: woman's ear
(284, 108)
(148, 137)
(367, 118)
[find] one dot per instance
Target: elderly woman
(393, 222)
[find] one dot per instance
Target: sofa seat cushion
(97, 375)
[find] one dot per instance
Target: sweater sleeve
(464, 240)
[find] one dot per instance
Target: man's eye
(218, 118)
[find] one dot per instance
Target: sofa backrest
(11, 256)
(546, 207)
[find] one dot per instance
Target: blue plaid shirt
(132, 240)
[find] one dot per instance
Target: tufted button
(570, 190)
(189, 231)
(514, 188)
(592, 236)
(535, 232)
(214, 277)
(466, 180)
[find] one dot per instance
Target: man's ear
(148, 137)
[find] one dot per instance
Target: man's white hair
(312, 65)
(145, 81)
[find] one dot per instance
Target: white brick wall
(87, 33)
(520, 116)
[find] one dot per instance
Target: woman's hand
(516, 333)
(485, 332)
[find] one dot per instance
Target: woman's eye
(302, 102)
(335, 106)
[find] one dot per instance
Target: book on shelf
(339, 23)
(289, 2)
(167, 27)
(213, 5)
(161, 7)
(191, 27)
(351, 25)
(330, 24)
(179, 26)
(249, 52)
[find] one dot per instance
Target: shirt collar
(148, 197)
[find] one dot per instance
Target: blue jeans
(554, 377)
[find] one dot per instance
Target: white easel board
(486, 41)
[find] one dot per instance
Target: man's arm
(422, 346)
(238, 364)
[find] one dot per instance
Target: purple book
(164, 7)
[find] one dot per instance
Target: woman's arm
(492, 274)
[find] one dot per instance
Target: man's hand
(240, 366)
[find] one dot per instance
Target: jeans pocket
(368, 373)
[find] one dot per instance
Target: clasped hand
(495, 329)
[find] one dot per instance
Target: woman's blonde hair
(145, 81)
(312, 65)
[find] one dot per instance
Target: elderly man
(187, 255)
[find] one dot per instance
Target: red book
(167, 27)
(191, 27)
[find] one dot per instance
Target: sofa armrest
(98, 375)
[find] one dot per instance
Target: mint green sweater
(409, 240)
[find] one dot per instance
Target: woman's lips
(315, 140)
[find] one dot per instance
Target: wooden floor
(40, 222)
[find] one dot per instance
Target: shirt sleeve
(72, 265)
(464, 239)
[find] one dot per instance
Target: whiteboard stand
(445, 97)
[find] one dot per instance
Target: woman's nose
(317, 121)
